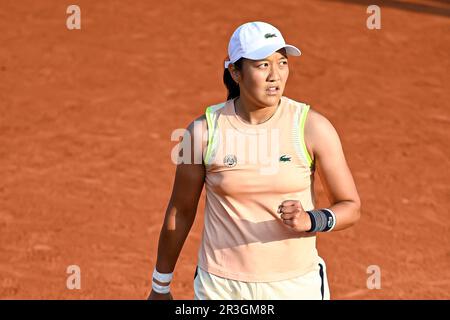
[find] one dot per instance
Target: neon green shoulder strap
(305, 110)
(211, 120)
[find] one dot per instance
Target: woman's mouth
(273, 90)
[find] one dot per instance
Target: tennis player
(260, 152)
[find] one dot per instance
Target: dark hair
(232, 86)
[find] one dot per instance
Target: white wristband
(162, 277)
(160, 289)
(334, 219)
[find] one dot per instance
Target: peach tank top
(250, 170)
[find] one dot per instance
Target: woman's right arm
(182, 206)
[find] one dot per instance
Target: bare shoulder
(199, 122)
(320, 133)
(315, 120)
(198, 130)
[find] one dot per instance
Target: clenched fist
(293, 215)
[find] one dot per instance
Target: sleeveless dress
(250, 170)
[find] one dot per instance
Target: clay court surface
(86, 118)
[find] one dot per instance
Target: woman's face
(262, 81)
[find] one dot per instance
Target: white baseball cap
(257, 40)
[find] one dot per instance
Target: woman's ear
(235, 74)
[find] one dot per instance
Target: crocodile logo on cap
(269, 35)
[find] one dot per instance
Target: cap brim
(266, 51)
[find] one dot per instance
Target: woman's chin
(270, 100)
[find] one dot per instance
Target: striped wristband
(163, 278)
(322, 220)
(160, 289)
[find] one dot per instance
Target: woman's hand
(159, 296)
(293, 215)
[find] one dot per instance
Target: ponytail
(232, 86)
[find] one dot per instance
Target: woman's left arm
(323, 141)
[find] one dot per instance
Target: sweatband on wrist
(333, 217)
(322, 220)
(162, 277)
(160, 289)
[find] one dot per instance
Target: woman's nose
(274, 75)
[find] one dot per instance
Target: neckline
(239, 123)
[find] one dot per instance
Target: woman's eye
(263, 65)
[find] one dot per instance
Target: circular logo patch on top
(230, 160)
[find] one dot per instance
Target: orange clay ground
(86, 118)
